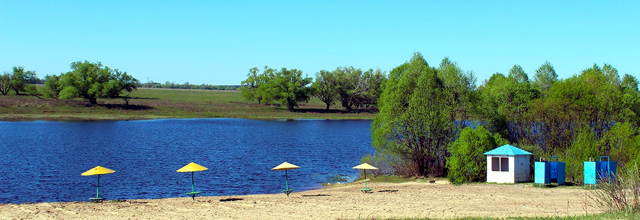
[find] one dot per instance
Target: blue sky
(217, 42)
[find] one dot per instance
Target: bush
(621, 193)
(388, 165)
(468, 162)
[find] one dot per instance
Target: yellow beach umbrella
(286, 166)
(365, 167)
(98, 170)
(192, 167)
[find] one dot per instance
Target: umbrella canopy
(98, 170)
(365, 166)
(191, 167)
(285, 166)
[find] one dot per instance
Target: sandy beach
(413, 199)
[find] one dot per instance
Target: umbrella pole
(98, 189)
(193, 188)
(286, 180)
(365, 179)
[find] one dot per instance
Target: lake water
(41, 161)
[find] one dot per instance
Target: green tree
(630, 100)
(325, 87)
(19, 79)
(460, 89)
(93, 80)
(467, 162)
(414, 122)
(249, 87)
(491, 104)
(290, 87)
(267, 90)
(52, 86)
(5, 83)
(545, 77)
(351, 86)
(375, 80)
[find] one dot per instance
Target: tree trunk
(93, 101)
(328, 105)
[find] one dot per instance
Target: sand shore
(413, 199)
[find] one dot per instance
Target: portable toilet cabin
(547, 172)
(508, 164)
(598, 170)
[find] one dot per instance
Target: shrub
(468, 162)
(388, 165)
(621, 193)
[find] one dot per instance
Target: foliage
(163, 103)
(545, 77)
(290, 87)
(249, 87)
(52, 86)
(186, 85)
(418, 112)
(467, 162)
(351, 86)
(93, 80)
(325, 87)
(17, 80)
(5, 83)
(619, 194)
(388, 165)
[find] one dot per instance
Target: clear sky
(217, 42)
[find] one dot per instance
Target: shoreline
(388, 200)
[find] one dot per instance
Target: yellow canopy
(192, 167)
(365, 166)
(97, 171)
(285, 166)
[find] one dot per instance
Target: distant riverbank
(167, 103)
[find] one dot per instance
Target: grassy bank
(167, 103)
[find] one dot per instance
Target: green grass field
(167, 103)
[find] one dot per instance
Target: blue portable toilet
(541, 174)
(598, 170)
(557, 171)
(550, 171)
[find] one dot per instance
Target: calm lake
(41, 161)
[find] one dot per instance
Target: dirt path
(347, 202)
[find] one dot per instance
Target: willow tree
(93, 80)
(325, 87)
(417, 117)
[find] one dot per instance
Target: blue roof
(508, 150)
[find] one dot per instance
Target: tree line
(352, 87)
(86, 80)
(438, 122)
(187, 85)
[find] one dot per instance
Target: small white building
(508, 164)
